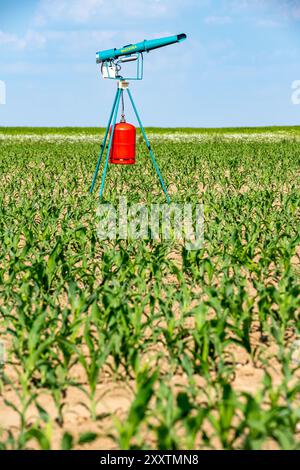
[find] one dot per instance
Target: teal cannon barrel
(144, 46)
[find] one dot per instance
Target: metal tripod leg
(118, 96)
(103, 144)
(150, 149)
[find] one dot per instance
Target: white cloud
(240, 5)
(73, 43)
(268, 23)
(218, 20)
(296, 12)
(7, 38)
(29, 39)
(82, 11)
(67, 41)
(2, 92)
(62, 10)
(279, 10)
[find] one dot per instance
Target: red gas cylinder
(123, 146)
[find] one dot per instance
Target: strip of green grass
(159, 130)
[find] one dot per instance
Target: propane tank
(123, 145)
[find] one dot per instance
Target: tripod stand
(122, 85)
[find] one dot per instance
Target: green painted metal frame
(113, 118)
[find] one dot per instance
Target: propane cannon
(111, 59)
(121, 137)
(144, 46)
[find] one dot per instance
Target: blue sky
(236, 68)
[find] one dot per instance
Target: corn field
(143, 344)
